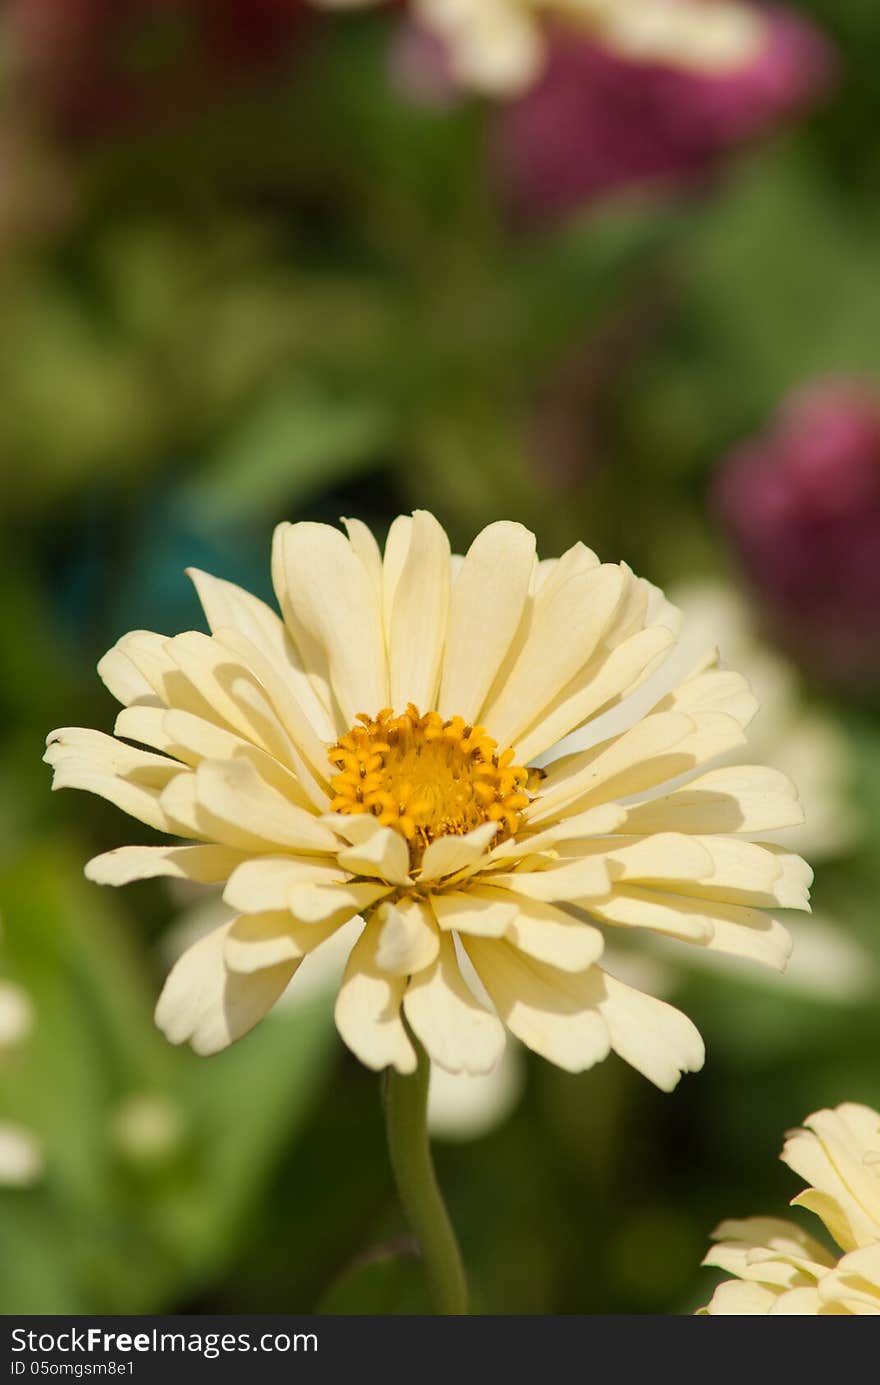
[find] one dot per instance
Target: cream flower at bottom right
(779, 1268)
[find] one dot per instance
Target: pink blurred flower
(801, 503)
(597, 122)
(100, 64)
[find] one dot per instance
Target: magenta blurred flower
(597, 122)
(802, 505)
(100, 64)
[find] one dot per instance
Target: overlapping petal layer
(780, 1269)
(427, 689)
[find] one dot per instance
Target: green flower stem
(406, 1119)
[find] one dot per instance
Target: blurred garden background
(261, 262)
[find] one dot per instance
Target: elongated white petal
(484, 915)
(265, 940)
(383, 855)
(332, 599)
(448, 855)
(458, 1031)
(568, 621)
(571, 881)
(131, 779)
(318, 903)
(204, 1003)
(408, 937)
(234, 792)
(264, 882)
(553, 1012)
(307, 731)
(609, 676)
(657, 749)
(368, 1009)
(653, 1037)
(205, 865)
(231, 692)
(488, 602)
(552, 936)
(418, 615)
(738, 798)
(595, 822)
(228, 607)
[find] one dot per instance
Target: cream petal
(267, 940)
(554, 937)
(124, 680)
(384, 855)
(234, 792)
(605, 818)
(488, 602)
(304, 729)
(754, 874)
(332, 597)
(186, 816)
(263, 884)
(365, 547)
(459, 1033)
(712, 689)
(569, 883)
(450, 854)
(608, 677)
(799, 1303)
(569, 620)
(144, 652)
(643, 758)
(472, 912)
(666, 856)
(408, 937)
(737, 798)
(318, 903)
(553, 1012)
(206, 865)
(228, 607)
(637, 759)
(735, 1298)
(418, 616)
(830, 1155)
(779, 1236)
(748, 933)
(230, 690)
(204, 1003)
(354, 828)
(653, 1037)
(368, 1009)
(131, 779)
(396, 550)
(311, 653)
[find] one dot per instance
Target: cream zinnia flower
(498, 45)
(369, 756)
(782, 1270)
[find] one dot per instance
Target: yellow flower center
(426, 776)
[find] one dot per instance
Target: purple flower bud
(802, 506)
(597, 122)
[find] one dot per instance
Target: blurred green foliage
(305, 301)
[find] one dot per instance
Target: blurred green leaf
(295, 442)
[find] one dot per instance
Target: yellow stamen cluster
(426, 776)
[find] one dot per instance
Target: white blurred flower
(16, 1015)
(786, 733)
(147, 1128)
(21, 1158)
